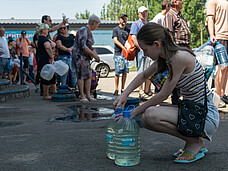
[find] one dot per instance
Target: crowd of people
(162, 51)
(64, 42)
(75, 51)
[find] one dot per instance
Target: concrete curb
(10, 92)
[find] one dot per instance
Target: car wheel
(103, 69)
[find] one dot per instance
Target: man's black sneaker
(115, 93)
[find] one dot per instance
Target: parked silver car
(106, 54)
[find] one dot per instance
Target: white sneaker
(222, 104)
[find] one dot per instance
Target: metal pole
(21, 67)
(201, 33)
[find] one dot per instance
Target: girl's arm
(179, 64)
(138, 80)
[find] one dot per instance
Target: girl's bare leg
(164, 119)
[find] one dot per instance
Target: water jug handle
(133, 107)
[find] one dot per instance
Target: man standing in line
(143, 14)
(217, 12)
(120, 35)
(177, 25)
(22, 46)
(46, 19)
(159, 18)
(4, 56)
(179, 30)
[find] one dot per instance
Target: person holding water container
(185, 73)
(217, 12)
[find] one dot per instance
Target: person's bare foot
(91, 98)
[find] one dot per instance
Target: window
(102, 51)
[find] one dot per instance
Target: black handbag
(191, 117)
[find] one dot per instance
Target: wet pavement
(29, 141)
(83, 113)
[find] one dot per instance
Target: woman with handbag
(196, 116)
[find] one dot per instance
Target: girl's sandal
(190, 155)
(180, 151)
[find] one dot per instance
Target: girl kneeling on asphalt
(186, 74)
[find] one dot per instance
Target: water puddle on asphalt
(83, 113)
(223, 115)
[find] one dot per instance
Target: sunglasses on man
(64, 28)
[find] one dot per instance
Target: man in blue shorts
(120, 35)
(4, 56)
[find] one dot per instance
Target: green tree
(129, 7)
(84, 15)
(193, 11)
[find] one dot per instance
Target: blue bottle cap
(126, 113)
(217, 43)
(119, 110)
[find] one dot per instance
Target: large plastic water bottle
(127, 141)
(110, 135)
(121, 62)
(207, 59)
(221, 54)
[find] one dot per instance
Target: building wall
(102, 36)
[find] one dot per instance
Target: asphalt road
(28, 141)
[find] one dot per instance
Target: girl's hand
(118, 117)
(120, 102)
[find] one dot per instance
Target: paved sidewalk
(28, 141)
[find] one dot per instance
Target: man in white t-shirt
(159, 18)
(4, 56)
(217, 12)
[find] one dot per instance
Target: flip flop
(142, 96)
(148, 93)
(92, 99)
(194, 157)
(84, 100)
(203, 150)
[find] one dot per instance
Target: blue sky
(34, 9)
